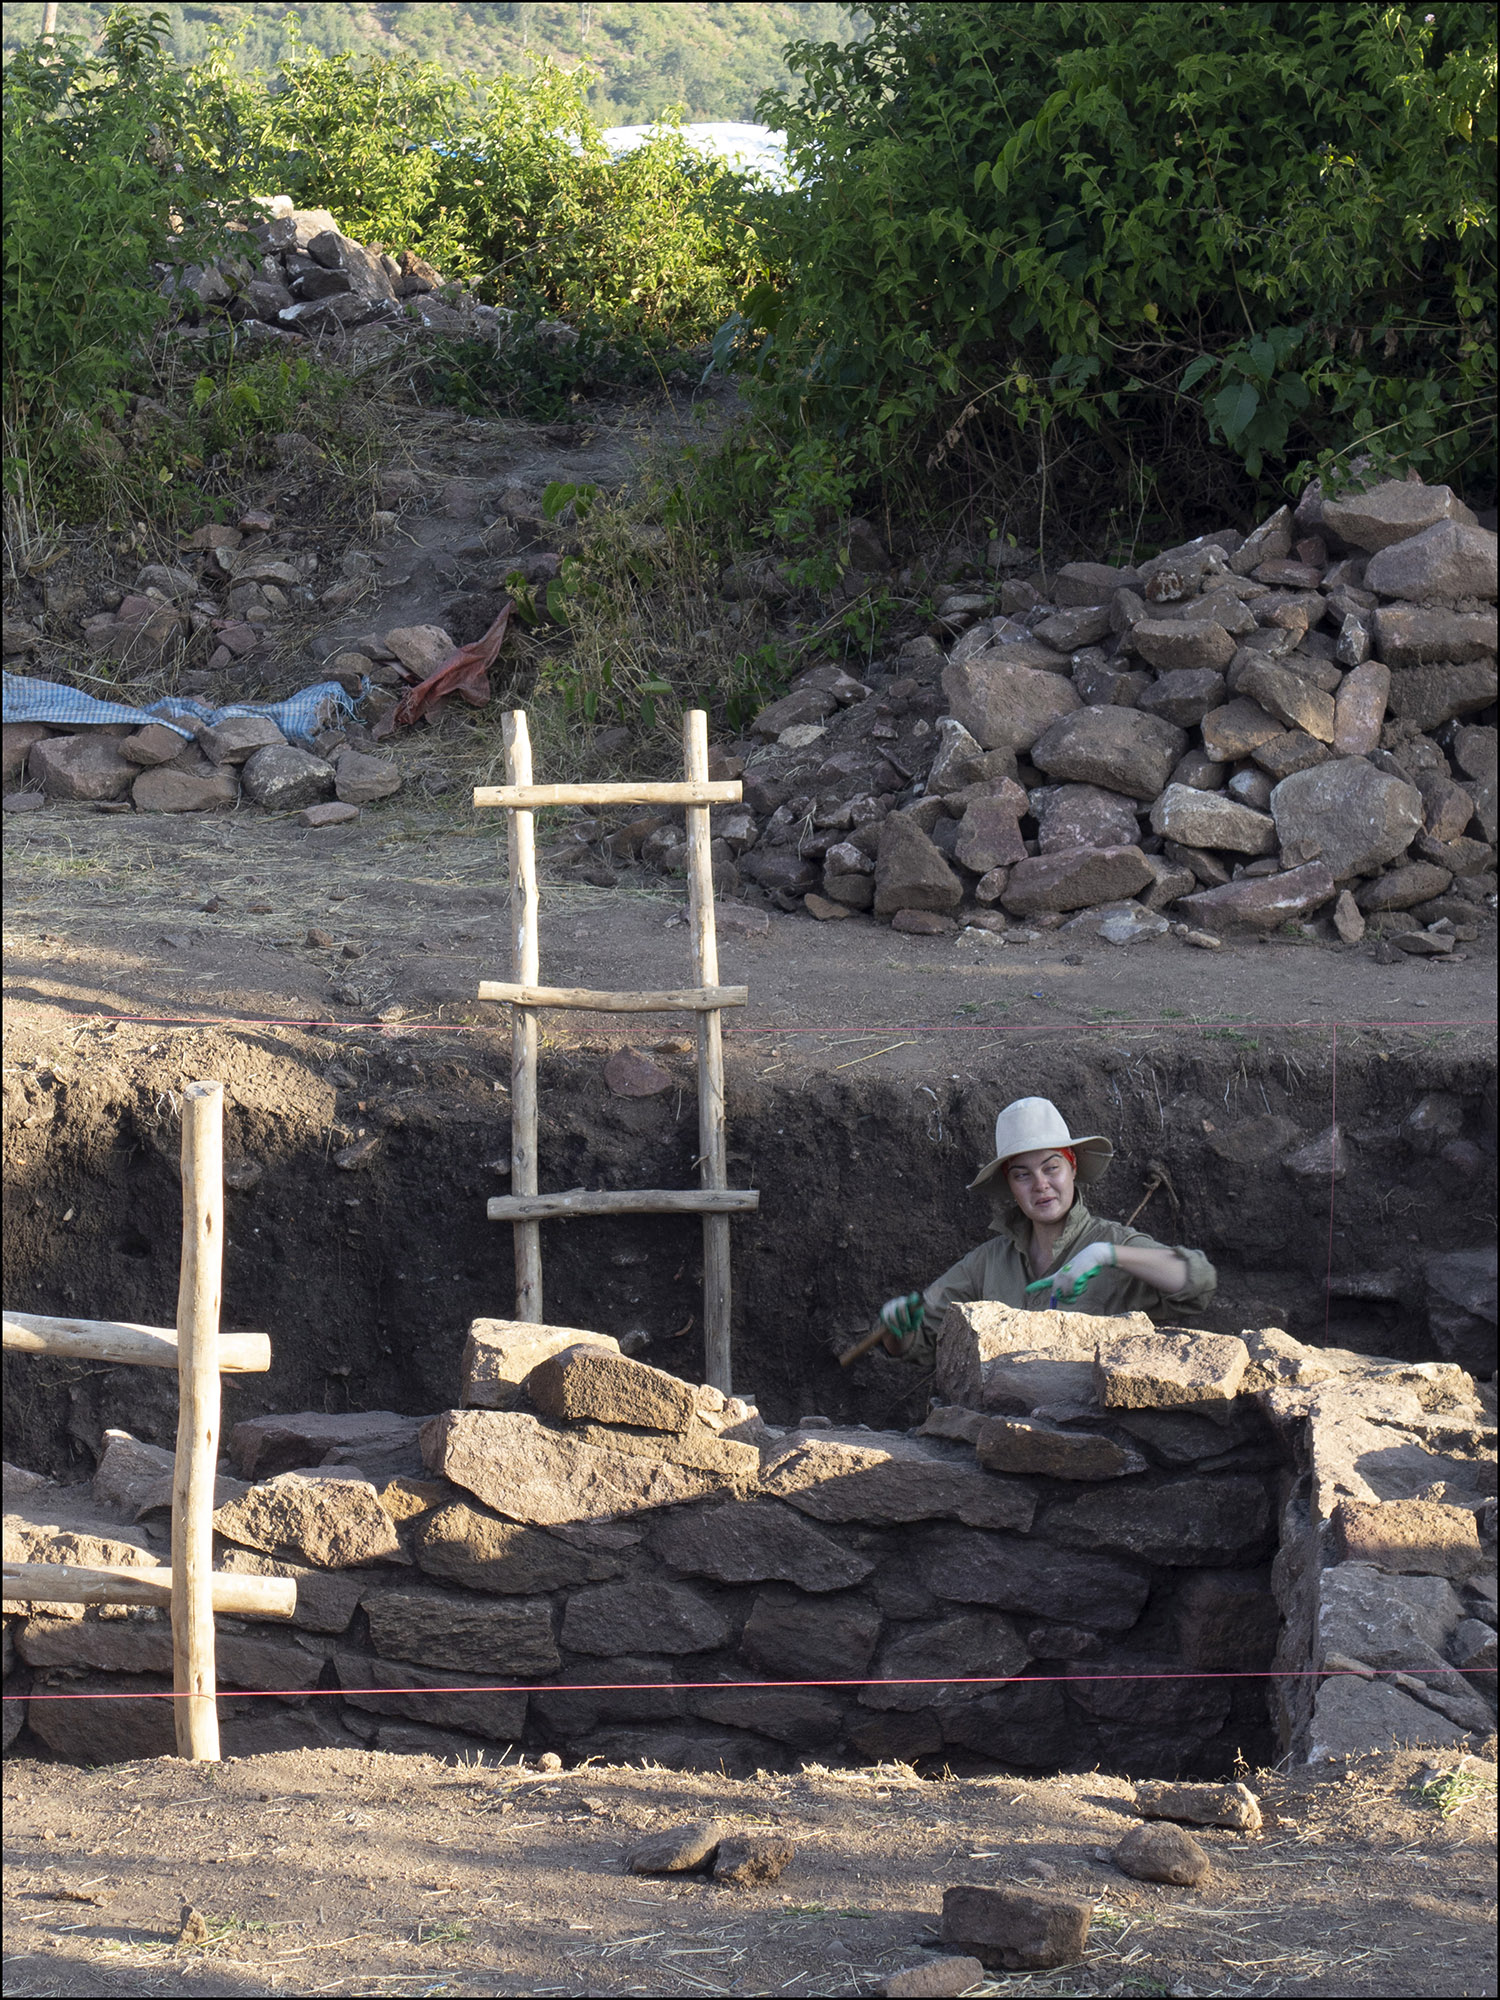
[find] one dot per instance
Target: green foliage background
(640, 58)
(1062, 252)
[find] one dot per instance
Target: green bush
(1064, 250)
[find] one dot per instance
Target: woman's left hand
(1069, 1283)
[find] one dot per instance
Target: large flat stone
(263, 1446)
(334, 1521)
(476, 1549)
(117, 1731)
(365, 1682)
(1410, 1537)
(644, 1615)
(1352, 1716)
(1447, 561)
(1118, 749)
(888, 1477)
(973, 1335)
(822, 1639)
(1071, 816)
(910, 1669)
(1392, 511)
(588, 1381)
(1161, 1371)
(143, 1645)
(1212, 819)
(1263, 903)
(81, 767)
(509, 1636)
(1004, 706)
(500, 1353)
(1016, 1929)
(1075, 878)
(326, 1600)
(1234, 1806)
(1028, 1445)
(796, 1716)
(512, 1462)
(755, 1541)
(1427, 697)
(966, 1567)
(1421, 635)
(1181, 1524)
(1177, 645)
(1185, 696)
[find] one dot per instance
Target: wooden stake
(198, 1293)
(714, 1166)
(526, 965)
(234, 1596)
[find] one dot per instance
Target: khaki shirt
(1001, 1269)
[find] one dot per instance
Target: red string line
(963, 1028)
(659, 1687)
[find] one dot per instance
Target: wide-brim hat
(1034, 1125)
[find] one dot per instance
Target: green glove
(1070, 1283)
(903, 1317)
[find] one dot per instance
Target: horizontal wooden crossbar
(645, 1201)
(687, 999)
(119, 1340)
(681, 792)
(69, 1583)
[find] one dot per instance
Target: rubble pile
(1096, 1506)
(1243, 732)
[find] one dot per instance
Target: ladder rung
(688, 999)
(682, 792)
(646, 1201)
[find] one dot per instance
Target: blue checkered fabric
(299, 716)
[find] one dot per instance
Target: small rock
(283, 779)
(331, 814)
(192, 1929)
(923, 923)
(677, 1850)
(1348, 920)
(349, 1159)
(1424, 944)
(81, 768)
(825, 911)
(361, 779)
(1261, 903)
(1200, 940)
(751, 1861)
(1161, 1853)
(549, 1761)
(168, 791)
(632, 1073)
(422, 649)
(24, 802)
(238, 737)
(320, 940)
(938, 1979)
(155, 744)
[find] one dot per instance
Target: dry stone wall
(1093, 1513)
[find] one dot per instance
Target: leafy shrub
(1059, 248)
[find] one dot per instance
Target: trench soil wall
(359, 1166)
(1091, 1560)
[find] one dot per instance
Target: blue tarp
(299, 716)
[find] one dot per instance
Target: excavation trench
(358, 1168)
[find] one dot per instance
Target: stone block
(1447, 561)
(887, 1736)
(1262, 904)
(1392, 511)
(360, 780)
(1174, 645)
(1119, 749)
(475, 1549)
(367, 1683)
(1024, 1722)
(284, 779)
(1461, 1292)
(1212, 819)
(587, 1381)
(169, 791)
(967, 1645)
(129, 1473)
(1352, 1717)
(1416, 635)
(1162, 1371)
(1234, 1806)
(677, 1850)
(1237, 729)
(965, 1567)
(989, 836)
(1006, 706)
(82, 768)
(1071, 816)
(755, 1541)
(1027, 1445)
(644, 1615)
(1226, 1620)
(1291, 699)
(973, 1335)
(143, 1645)
(753, 1860)
(500, 1353)
(910, 873)
(1427, 697)
(511, 1636)
(334, 1521)
(1407, 1537)
(885, 1478)
(1182, 1523)
(822, 1638)
(326, 1600)
(1161, 1853)
(794, 1716)
(1016, 1930)
(155, 744)
(1388, 1622)
(513, 1463)
(1075, 879)
(1403, 888)
(236, 739)
(1185, 696)
(936, 1979)
(118, 1731)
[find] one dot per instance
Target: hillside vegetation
(640, 58)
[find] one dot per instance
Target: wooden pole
(121, 1340)
(722, 792)
(526, 965)
(713, 1158)
(639, 1201)
(198, 1292)
(678, 1000)
(234, 1596)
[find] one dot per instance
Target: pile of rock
(584, 1519)
(1243, 731)
(304, 278)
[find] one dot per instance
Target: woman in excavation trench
(1050, 1251)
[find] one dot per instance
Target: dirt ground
(336, 1872)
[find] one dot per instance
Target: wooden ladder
(714, 1199)
(192, 1589)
